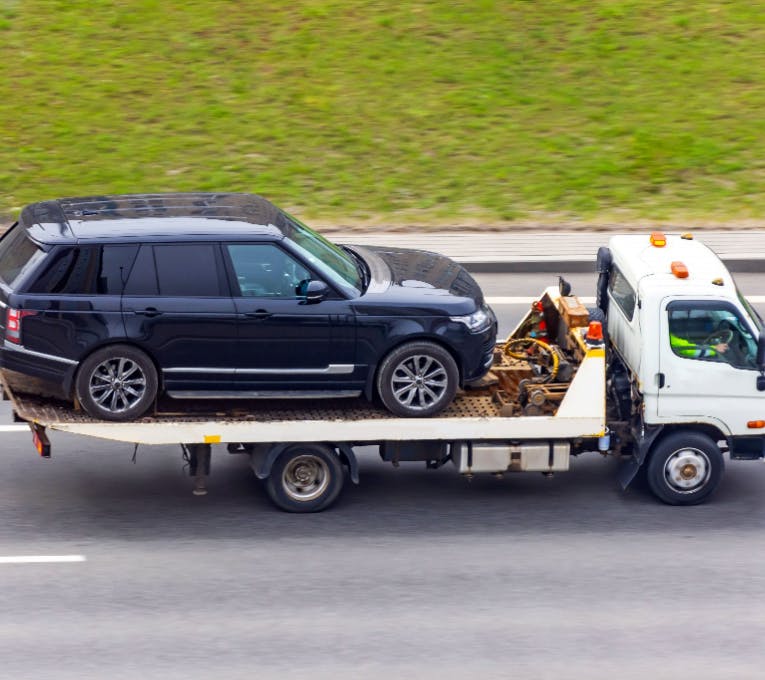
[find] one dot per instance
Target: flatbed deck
(474, 414)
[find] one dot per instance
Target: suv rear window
(17, 255)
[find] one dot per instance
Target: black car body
(227, 296)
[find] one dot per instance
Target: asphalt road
(414, 574)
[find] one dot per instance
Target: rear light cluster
(13, 324)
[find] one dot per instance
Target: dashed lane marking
(40, 559)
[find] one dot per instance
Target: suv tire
(117, 383)
(417, 379)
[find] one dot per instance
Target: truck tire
(685, 468)
(117, 383)
(305, 478)
(417, 379)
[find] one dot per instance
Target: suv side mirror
(315, 291)
(761, 362)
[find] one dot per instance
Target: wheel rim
(419, 382)
(687, 470)
(305, 478)
(117, 384)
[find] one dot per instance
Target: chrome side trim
(263, 394)
(332, 369)
(2, 305)
(40, 355)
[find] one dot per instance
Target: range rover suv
(114, 300)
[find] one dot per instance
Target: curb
(751, 265)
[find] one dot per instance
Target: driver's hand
(722, 347)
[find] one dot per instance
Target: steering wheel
(719, 336)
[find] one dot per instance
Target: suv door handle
(258, 314)
(149, 311)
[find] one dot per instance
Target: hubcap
(418, 382)
(305, 478)
(687, 470)
(117, 384)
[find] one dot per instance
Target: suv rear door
(178, 306)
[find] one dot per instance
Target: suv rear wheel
(417, 379)
(116, 383)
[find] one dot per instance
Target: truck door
(707, 365)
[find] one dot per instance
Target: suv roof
(134, 216)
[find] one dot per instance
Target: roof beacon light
(595, 333)
(679, 270)
(658, 240)
(687, 236)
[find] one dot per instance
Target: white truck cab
(689, 343)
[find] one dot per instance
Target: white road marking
(40, 559)
(528, 300)
(510, 300)
(14, 428)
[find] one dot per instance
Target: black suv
(113, 300)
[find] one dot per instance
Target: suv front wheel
(117, 383)
(417, 379)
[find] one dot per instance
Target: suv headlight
(476, 322)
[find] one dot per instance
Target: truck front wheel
(685, 468)
(305, 478)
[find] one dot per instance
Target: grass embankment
(420, 112)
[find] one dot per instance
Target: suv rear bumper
(57, 371)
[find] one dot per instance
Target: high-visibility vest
(686, 348)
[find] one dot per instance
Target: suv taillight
(13, 323)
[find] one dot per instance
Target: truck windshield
(753, 315)
(18, 255)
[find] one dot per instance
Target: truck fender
(643, 443)
(262, 459)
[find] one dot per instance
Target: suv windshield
(325, 256)
(17, 255)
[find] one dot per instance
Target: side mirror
(761, 351)
(315, 291)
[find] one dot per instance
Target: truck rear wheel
(685, 468)
(305, 478)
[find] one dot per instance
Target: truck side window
(622, 293)
(710, 331)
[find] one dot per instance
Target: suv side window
(622, 293)
(87, 270)
(265, 270)
(189, 270)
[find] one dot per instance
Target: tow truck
(566, 381)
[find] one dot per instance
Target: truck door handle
(258, 314)
(660, 376)
(149, 311)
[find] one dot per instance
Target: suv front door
(286, 343)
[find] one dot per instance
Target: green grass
(418, 112)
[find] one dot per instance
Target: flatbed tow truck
(557, 389)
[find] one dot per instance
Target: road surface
(414, 573)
